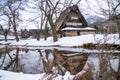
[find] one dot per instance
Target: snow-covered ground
(70, 41)
(9, 37)
(66, 42)
(6, 75)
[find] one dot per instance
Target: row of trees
(111, 11)
(10, 11)
(48, 11)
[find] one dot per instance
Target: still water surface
(37, 60)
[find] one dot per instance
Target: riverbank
(76, 41)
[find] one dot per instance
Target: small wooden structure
(72, 23)
(35, 32)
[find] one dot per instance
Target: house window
(74, 17)
(73, 24)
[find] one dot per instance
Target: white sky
(91, 9)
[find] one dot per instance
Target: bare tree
(46, 31)
(40, 24)
(39, 20)
(51, 9)
(5, 31)
(110, 11)
(48, 12)
(113, 13)
(10, 9)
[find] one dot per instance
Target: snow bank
(71, 41)
(6, 75)
(8, 37)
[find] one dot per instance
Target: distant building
(72, 23)
(25, 33)
(35, 32)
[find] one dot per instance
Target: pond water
(35, 60)
(39, 60)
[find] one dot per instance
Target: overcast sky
(87, 7)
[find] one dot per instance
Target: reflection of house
(72, 23)
(71, 61)
(75, 63)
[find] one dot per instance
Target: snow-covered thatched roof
(66, 12)
(79, 29)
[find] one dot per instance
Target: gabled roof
(64, 14)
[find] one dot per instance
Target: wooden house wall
(86, 32)
(76, 33)
(71, 33)
(70, 20)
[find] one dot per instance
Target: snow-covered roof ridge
(71, 28)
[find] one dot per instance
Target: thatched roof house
(72, 23)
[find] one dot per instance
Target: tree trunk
(118, 27)
(119, 34)
(46, 31)
(15, 29)
(16, 62)
(54, 34)
(53, 27)
(118, 24)
(5, 37)
(38, 36)
(15, 33)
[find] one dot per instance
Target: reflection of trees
(58, 61)
(13, 63)
(49, 65)
(6, 51)
(46, 63)
(16, 67)
(53, 61)
(62, 63)
(3, 61)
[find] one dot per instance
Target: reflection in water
(18, 60)
(70, 61)
(38, 61)
(13, 61)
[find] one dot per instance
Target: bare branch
(78, 2)
(116, 6)
(18, 6)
